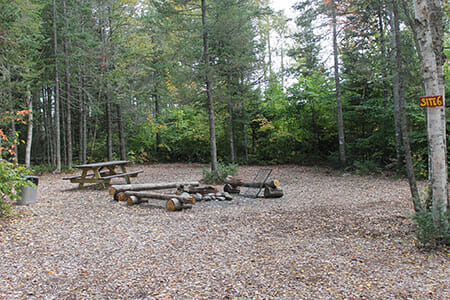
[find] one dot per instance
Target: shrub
(223, 170)
(11, 179)
(429, 233)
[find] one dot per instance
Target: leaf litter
(329, 237)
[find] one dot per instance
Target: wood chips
(329, 237)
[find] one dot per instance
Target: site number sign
(431, 101)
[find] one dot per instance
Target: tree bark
(231, 189)
(13, 123)
(272, 192)
(159, 196)
(239, 182)
(147, 187)
(123, 151)
(231, 125)
(57, 100)
(340, 118)
(175, 205)
(430, 32)
(29, 102)
(398, 93)
(68, 95)
(212, 126)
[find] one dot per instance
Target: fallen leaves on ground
(329, 237)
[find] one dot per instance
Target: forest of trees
(151, 80)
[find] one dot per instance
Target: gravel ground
(329, 237)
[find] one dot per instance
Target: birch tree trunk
(342, 156)
(212, 126)
(430, 32)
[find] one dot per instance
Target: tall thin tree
(57, 110)
(212, 126)
(340, 118)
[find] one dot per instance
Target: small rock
(198, 197)
(227, 196)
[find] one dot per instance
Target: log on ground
(204, 190)
(240, 182)
(132, 200)
(272, 192)
(231, 189)
(148, 186)
(175, 204)
(159, 196)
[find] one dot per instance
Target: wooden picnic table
(102, 173)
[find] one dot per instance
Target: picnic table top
(103, 164)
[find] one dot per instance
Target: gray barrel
(28, 194)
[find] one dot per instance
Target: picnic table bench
(102, 173)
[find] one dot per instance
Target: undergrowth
(223, 170)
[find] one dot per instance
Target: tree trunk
(29, 102)
(212, 126)
(57, 110)
(123, 151)
(384, 71)
(157, 119)
(231, 121)
(396, 95)
(68, 100)
(430, 32)
(400, 106)
(13, 123)
(108, 127)
(342, 156)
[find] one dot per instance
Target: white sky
(286, 5)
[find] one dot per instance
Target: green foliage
(366, 167)
(432, 233)
(11, 179)
(217, 177)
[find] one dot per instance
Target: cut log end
(272, 192)
(132, 200)
(112, 191)
(121, 196)
(173, 204)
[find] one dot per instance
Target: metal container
(28, 194)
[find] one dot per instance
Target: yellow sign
(431, 101)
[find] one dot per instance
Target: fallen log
(231, 189)
(204, 190)
(175, 204)
(272, 192)
(132, 200)
(240, 182)
(148, 186)
(159, 196)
